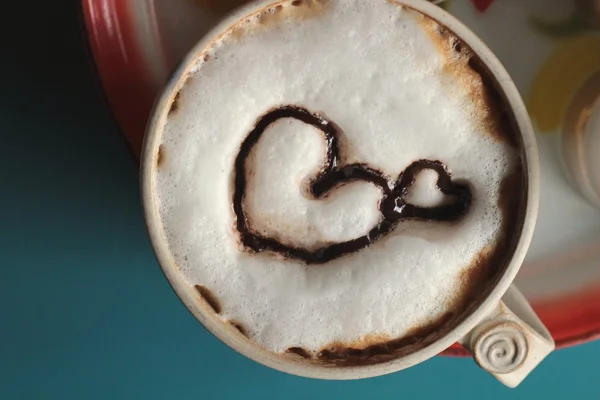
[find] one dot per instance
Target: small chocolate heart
(392, 206)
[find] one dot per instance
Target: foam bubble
(377, 71)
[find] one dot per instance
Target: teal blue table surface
(85, 310)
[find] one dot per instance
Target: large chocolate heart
(392, 206)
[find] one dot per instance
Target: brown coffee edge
(160, 156)
(175, 103)
(481, 273)
(464, 65)
(220, 7)
(499, 118)
(299, 351)
(298, 10)
(240, 328)
(209, 298)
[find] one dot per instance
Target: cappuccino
(332, 179)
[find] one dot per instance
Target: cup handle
(510, 341)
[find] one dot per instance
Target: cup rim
(232, 338)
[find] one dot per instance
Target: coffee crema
(340, 180)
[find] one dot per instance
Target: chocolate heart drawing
(393, 206)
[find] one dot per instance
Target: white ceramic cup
(503, 333)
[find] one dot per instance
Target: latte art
(338, 180)
(392, 206)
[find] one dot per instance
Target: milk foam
(375, 69)
(289, 152)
